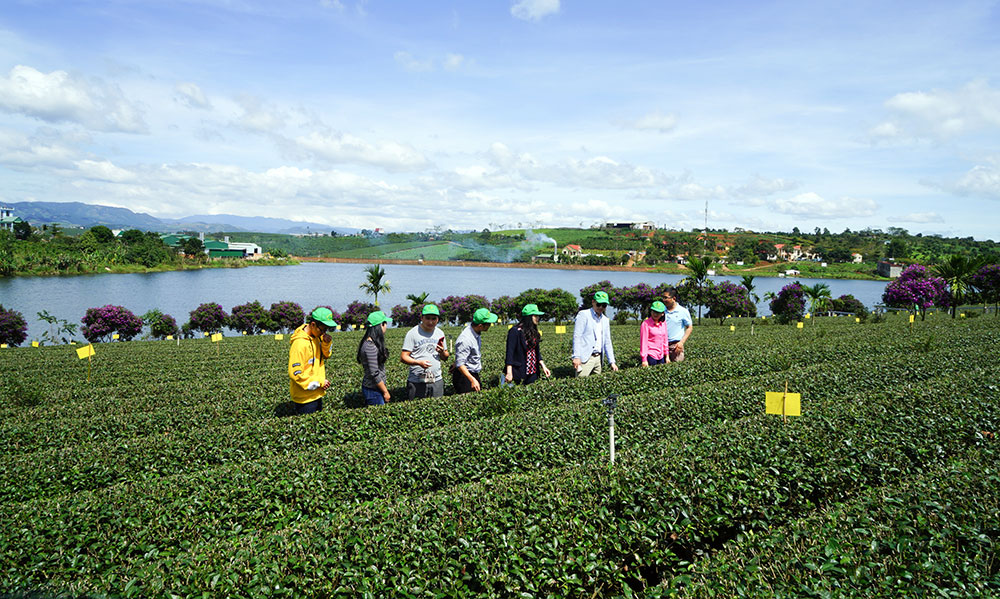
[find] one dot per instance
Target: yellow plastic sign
(34, 344)
(808, 315)
(561, 329)
(911, 319)
(217, 337)
(3, 346)
(205, 334)
(763, 317)
(856, 319)
(244, 332)
(798, 325)
(279, 336)
(85, 352)
(792, 402)
(732, 327)
(116, 336)
(170, 337)
(962, 315)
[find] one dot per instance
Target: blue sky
(465, 115)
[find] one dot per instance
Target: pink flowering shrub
(100, 323)
(13, 328)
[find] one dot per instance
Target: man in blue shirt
(679, 324)
(592, 338)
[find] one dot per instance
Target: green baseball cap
(431, 309)
(377, 317)
(484, 316)
(658, 306)
(323, 315)
(532, 310)
(601, 297)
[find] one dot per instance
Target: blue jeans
(373, 397)
(308, 408)
(654, 361)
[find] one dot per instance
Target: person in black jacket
(524, 355)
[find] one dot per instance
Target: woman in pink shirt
(653, 348)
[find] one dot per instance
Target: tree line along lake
(335, 284)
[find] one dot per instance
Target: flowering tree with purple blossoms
(286, 316)
(916, 290)
(458, 309)
(587, 293)
(406, 316)
(987, 281)
(638, 297)
(728, 299)
(100, 323)
(160, 324)
(250, 318)
(208, 318)
(506, 308)
(790, 303)
(13, 328)
(356, 314)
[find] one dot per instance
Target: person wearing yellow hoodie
(306, 361)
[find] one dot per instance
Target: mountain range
(77, 214)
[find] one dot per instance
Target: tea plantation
(173, 472)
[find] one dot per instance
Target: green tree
(193, 246)
(102, 234)
(747, 282)
(819, 297)
(22, 230)
(375, 283)
(417, 299)
(957, 271)
(699, 268)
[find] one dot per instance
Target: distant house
(250, 250)
(8, 220)
(572, 250)
(642, 226)
(889, 269)
(857, 258)
(791, 254)
(791, 272)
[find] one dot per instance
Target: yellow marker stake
(279, 336)
(34, 344)
(808, 316)
(962, 315)
(244, 332)
(911, 319)
(3, 346)
(798, 325)
(784, 404)
(561, 329)
(217, 337)
(856, 319)
(116, 336)
(732, 327)
(86, 352)
(205, 334)
(170, 337)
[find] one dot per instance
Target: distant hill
(88, 215)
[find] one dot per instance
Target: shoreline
(680, 271)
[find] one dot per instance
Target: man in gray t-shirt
(423, 350)
(465, 375)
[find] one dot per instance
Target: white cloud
(61, 97)
(921, 217)
(982, 180)
(104, 170)
(23, 152)
(941, 114)
(191, 95)
(453, 62)
(813, 205)
(655, 121)
(258, 117)
(534, 10)
(759, 186)
(600, 172)
(408, 62)
(342, 147)
(334, 4)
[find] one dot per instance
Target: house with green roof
(8, 220)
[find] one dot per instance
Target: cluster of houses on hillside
(7, 219)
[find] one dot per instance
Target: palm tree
(699, 268)
(957, 272)
(747, 281)
(417, 298)
(375, 284)
(819, 297)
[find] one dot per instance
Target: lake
(311, 284)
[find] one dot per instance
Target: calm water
(312, 284)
